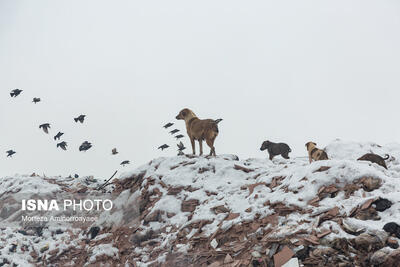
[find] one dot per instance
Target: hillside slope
(223, 211)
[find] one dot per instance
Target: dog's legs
(210, 143)
(201, 146)
(271, 156)
(193, 145)
(285, 155)
(309, 158)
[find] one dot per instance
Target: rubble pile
(222, 211)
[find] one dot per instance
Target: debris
(293, 262)
(214, 244)
(283, 256)
(391, 242)
(241, 168)
(43, 249)
(228, 259)
(189, 205)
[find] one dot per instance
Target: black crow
(36, 100)
(76, 176)
(125, 162)
(114, 151)
(164, 146)
(85, 146)
(181, 147)
(174, 131)
(81, 118)
(15, 92)
(10, 153)
(169, 124)
(179, 136)
(218, 121)
(45, 127)
(63, 145)
(58, 136)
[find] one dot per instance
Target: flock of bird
(86, 145)
(181, 147)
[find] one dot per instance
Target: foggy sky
(287, 71)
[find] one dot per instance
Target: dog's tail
(386, 157)
(217, 121)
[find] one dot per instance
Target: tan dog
(315, 153)
(199, 130)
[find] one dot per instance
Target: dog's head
(265, 145)
(185, 114)
(310, 144)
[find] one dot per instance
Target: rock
(392, 228)
(232, 216)
(371, 183)
(382, 204)
(391, 242)
(368, 214)
(367, 242)
(393, 259)
(378, 257)
(155, 216)
(220, 209)
(228, 259)
(189, 205)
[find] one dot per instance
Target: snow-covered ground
(183, 199)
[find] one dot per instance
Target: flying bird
(45, 127)
(57, 136)
(125, 162)
(174, 131)
(164, 146)
(36, 100)
(169, 124)
(15, 92)
(81, 118)
(10, 153)
(218, 121)
(85, 146)
(114, 151)
(63, 145)
(179, 136)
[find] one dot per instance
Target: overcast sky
(287, 71)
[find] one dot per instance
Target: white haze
(287, 71)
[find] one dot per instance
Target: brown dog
(315, 153)
(199, 130)
(374, 158)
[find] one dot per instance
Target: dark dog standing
(275, 149)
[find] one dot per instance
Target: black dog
(276, 149)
